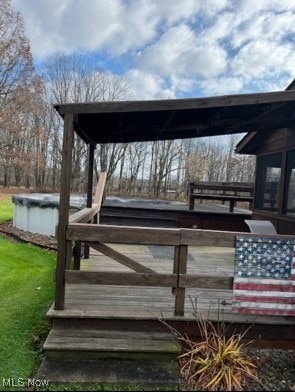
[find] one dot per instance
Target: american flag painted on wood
(264, 276)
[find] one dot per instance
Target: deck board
(132, 302)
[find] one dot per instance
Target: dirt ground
(7, 193)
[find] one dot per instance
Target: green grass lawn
(26, 292)
(6, 210)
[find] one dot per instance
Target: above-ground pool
(38, 212)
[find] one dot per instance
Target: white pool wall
(39, 213)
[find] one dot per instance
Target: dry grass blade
(216, 362)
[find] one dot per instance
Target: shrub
(216, 362)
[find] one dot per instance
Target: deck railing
(221, 191)
(97, 236)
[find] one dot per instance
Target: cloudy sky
(172, 48)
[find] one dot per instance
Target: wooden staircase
(86, 352)
(97, 344)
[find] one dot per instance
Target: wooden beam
(89, 187)
(90, 175)
(85, 215)
(63, 255)
(206, 282)
(122, 259)
(123, 234)
(177, 104)
(197, 237)
(180, 265)
(77, 255)
(100, 188)
(121, 278)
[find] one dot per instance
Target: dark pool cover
(46, 200)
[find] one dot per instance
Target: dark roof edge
(247, 138)
(291, 85)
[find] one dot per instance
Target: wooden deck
(117, 304)
(150, 303)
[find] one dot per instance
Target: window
(289, 199)
(267, 182)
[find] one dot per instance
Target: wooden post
(63, 255)
(77, 255)
(180, 265)
(89, 188)
(191, 202)
(231, 205)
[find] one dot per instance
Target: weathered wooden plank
(109, 305)
(69, 254)
(89, 190)
(180, 268)
(117, 291)
(221, 187)
(128, 302)
(84, 215)
(100, 188)
(121, 278)
(79, 216)
(195, 237)
(221, 197)
(77, 255)
(57, 335)
(66, 172)
(123, 234)
(179, 104)
(207, 282)
(113, 254)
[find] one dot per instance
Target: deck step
(81, 355)
(97, 344)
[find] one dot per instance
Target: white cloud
(179, 51)
(263, 58)
(114, 25)
(222, 85)
(148, 85)
(58, 25)
(171, 47)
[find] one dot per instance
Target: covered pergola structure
(108, 307)
(124, 122)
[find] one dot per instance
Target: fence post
(180, 267)
(77, 255)
(64, 250)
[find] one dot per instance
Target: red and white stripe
(265, 296)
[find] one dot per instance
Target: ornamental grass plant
(215, 362)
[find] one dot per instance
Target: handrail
(223, 186)
(156, 236)
(224, 191)
(86, 214)
(180, 238)
(100, 188)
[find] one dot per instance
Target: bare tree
(136, 156)
(164, 158)
(77, 78)
(16, 70)
(16, 66)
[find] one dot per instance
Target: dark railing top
(222, 186)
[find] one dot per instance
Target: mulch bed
(43, 241)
